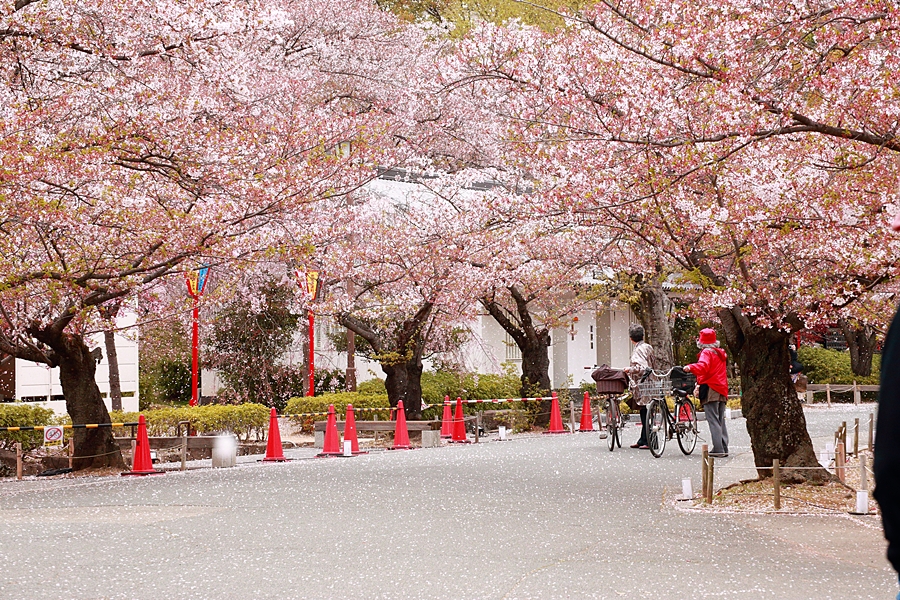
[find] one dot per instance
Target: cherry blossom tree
(138, 141)
(748, 147)
(394, 280)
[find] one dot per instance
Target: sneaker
(719, 454)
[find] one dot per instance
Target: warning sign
(53, 436)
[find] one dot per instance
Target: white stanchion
(687, 488)
(348, 448)
(501, 431)
(862, 501)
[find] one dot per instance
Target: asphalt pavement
(540, 516)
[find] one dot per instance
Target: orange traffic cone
(447, 419)
(556, 425)
(332, 444)
(401, 435)
(586, 419)
(274, 451)
(459, 424)
(350, 431)
(142, 463)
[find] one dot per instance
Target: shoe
(635, 445)
(643, 447)
(719, 454)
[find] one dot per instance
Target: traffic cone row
(454, 428)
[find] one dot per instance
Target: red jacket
(710, 369)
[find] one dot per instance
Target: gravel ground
(554, 516)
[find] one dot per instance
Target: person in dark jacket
(887, 437)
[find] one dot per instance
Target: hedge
(23, 415)
(319, 404)
(244, 420)
(833, 366)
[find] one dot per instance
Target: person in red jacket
(713, 383)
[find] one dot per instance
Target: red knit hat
(707, 336)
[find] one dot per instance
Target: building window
(512, 350)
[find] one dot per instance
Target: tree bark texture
(533, 342)
(400, 356)
(774, 413)
(861, 343)
(115, 385)
(655, 322)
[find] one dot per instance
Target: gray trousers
(718, 432)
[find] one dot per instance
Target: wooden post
(776, 482)
(477, 425)
(572, 414)
(184, 451)
(133, 451)
(810, 396)
(19, 461)
(844, 433)
(828, 394)
(871, 431)
(856, 436)
(710, 484)
(71, 451)
(704, 474)
(857, 397)
(840, 460)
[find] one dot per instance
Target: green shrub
(319, 404)
(244, 420)
(833, 366)
(372, 387)
(22, 415)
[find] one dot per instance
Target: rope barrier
(83, 426)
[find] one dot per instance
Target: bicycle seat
(680, 393)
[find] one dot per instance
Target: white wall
(39, 380)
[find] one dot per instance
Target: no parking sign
(53, 435)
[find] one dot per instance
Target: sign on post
(53, 435)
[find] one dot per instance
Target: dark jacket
(887, 442)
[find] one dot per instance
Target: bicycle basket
(654, 387)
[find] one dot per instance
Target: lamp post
(196, 284)
(309, 282)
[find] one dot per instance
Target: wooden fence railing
(829, 389)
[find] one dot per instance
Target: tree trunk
(532, 342)
(653, 318)
(535, 365)
(774, 413)
(403, 381)
(861, 343)
(115, 386)
(94, 448)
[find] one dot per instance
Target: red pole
(195, 353)
(312, 354)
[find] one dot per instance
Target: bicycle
(661, 423)
(610, 385)
(615, 420)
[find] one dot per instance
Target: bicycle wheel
(620, 428)
(686, 426)
(612, 424)
(656, 428)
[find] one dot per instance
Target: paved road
(536, 517)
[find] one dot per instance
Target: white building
(27, 381)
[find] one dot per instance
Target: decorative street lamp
(309, 283)
(196, 284)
